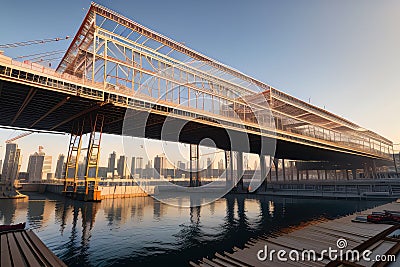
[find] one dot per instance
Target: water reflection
(144, 232)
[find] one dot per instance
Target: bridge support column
(354, 173)
(326, 174)
(283, 170)
(91, 192)
(374, 173)
(229, 169)
(307, 175)
(239, 171)
(276, 164)
(194, 165)
(263, 171)
(74, 152)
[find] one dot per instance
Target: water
(144, 232)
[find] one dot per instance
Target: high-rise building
(209, 168)
(39, 165)
(133, 167)
(60, 168)
(12, 163)
(111, 163)
(160, 164)
(121, 167)
(139, 166)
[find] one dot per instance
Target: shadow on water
(144, 232)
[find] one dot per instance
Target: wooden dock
(317, 236)
(24, 248)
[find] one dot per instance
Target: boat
(12, 227)
(361, 219)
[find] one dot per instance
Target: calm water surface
(144, 232)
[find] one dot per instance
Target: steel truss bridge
(115, 64)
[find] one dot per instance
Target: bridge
(119, 77)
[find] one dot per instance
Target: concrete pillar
(326, 174)
(373, 165)
(283, 170)
(318, 174)
(239, 166)
(307, 176)
(354, 173)
(291, 170)
(263, 171)
(229, 169)
(276, 164)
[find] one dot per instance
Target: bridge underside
(22, 106)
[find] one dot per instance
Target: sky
(341, 55)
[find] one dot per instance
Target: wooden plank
(26, 251)
(4, 252)
(34, 249)
(41, 248)
(226, 259)
(16, 256)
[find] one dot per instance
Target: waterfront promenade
(317, 236)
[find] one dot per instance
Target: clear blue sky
(342, 54)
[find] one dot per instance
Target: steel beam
(28, 99)
(58, 105)
(76, 116)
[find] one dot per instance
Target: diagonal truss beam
(28, 99)
(94, 107)
(58, 105)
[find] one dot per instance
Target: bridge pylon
(84, 189)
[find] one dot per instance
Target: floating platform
(12, 195)
(319, 235)
(24, 248)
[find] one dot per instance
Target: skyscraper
(111, 163)
(121, 167)
(12, 163)
(139, 166)
(209, 168)
(159, 166)
(60, 168)
(133, 167)
(39, 165)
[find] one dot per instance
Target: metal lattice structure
(125, 57)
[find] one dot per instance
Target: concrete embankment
(357, 189)
(106, 191)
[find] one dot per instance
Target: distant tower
(39, 165)
(209, 167)
(133, 167)
(12, 163)
(159, 166)
(121, 167)
(139, 166)
(111, 163)
(60, 168)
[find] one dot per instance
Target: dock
(319, 235)
(24, 248)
